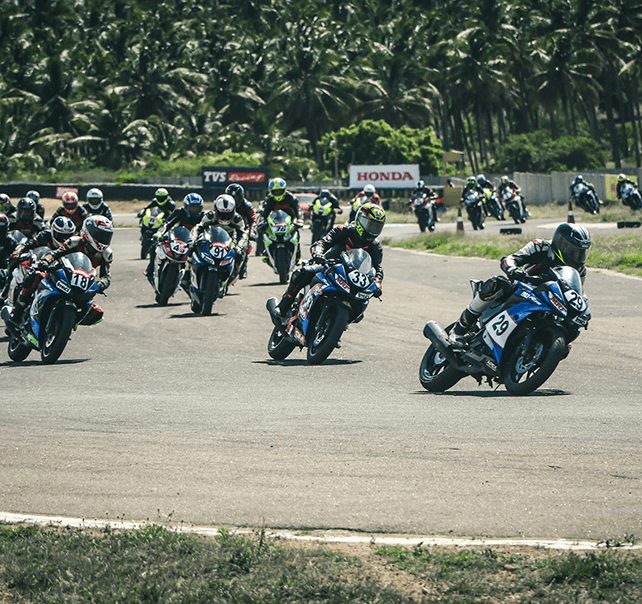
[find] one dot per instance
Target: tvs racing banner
(219, 178)
(403, 176)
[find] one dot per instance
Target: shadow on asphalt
(32, 362)
(495, 393)
(154, 305)
(271, 284)
(187, 315)
(299, 362)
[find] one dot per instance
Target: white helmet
(224, 206)
(94, 198)
(369, 190)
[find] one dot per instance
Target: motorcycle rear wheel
(211, 292)
(279, 346)
(57, 334)
(327, 332)
(527, 370)
(436, 374)
(18, 351)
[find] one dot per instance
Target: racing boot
(18, 310)
(467, 319)
(285, 305)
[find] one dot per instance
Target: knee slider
(494, 288)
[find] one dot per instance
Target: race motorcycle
(169, 265)
(321, 218)
(63, 298)
(424, 208)
(150, 222)
(518, 343)
(586, 198)
(211, 269)
(337, 296)
(631, 196)
(493, 205)
(25, 265)
(513, 204)
(281, 244)
(474, 204)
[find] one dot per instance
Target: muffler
(439, 339)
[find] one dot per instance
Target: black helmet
(324, 194)
(571, 244)
(235, 190)
(26, 209)
(4, 226)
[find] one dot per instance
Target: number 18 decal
(500, 328)
(80, 279)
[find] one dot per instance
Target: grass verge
(153, 564)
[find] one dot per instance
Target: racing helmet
(470, 181)
(578, 178)
(504, 180)
(236, 191)
(97, 232)
(70, 200)
(369, 190)
(621, 177)
(481, 179)
(33, 195)
(161, 196)
(420, 184)
(324, 194)
(26, 209)
(193, 204)
(224, 207)
(369, 221)
(571, 244)
(277, 188)
(5, 202)
(4, 226)
(61, 229)
(94, 198)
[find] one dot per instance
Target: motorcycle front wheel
(436, 374)
(280, 346)
(18, 351)
(167, 286)
(327, 332)
(282, 263)
(527, 368)
(211, 288)
(57, 334)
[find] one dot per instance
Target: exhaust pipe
(274, 315)
(439, 339)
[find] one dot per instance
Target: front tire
(167, 284)
(57, 335)
(280, 346)
(527, 370)
(327, 332)
(282, 263)
(436, 374)
(211, 291)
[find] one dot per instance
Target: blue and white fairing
(73, 278)
(551, 299)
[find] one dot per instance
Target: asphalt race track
(160, 414)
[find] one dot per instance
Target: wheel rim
(528, 363)
(434, 364)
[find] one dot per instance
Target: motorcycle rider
(188, 216)
(484, 183)
(93, 241)
(224, 215)
(25, 219)
(279, 198)
(578, 192)
(7, 247)
(62, 228)
(96, 206)
(621, 181)
(71, 209)
(246, 210)
(362, 233)
(161, 200)
(421, 187)
(569, 246)
(471, 183)
(505, 182)
(367, 195)
(325, 194)
(40, 209)
(6, 207)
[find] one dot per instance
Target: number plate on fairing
(499, 328)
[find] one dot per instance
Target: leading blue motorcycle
(518, 343)
(337, 296)
(63, 298)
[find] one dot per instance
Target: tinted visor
(572, 255)
(102, 237)
(194, 210)
(370, 226)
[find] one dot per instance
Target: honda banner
(403, 176)
(249, 178)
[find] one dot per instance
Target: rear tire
(279, 346)
(327, 332)
(18, 351)
(56, 340)
(436, 374)
(527, 370)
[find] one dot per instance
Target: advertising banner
(249, 178)
(403, 176)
